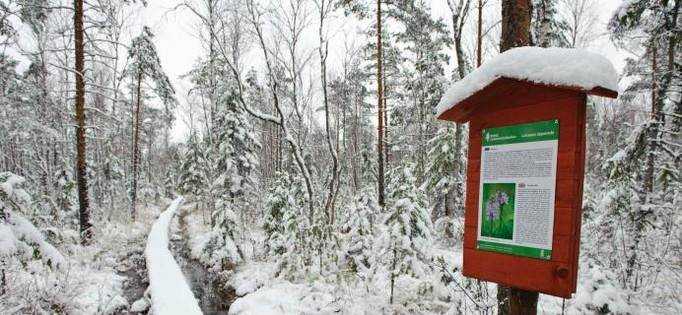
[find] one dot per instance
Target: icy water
(134, 268)
(208, 287)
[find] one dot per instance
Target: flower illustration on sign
(495, 203)
(497, 215)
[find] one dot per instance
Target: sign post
(526, 159)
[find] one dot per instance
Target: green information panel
(516, 194)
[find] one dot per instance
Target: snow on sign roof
(550, 66)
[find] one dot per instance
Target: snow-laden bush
(599, 293)
(450, 226)
(217, 248)
(35, 277)
(285, 226)
(408, 229)
(283, 197)
(359, 235)
(19, 238)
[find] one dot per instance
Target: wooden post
(516, 17)
(523, 302)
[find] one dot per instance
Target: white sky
(179, 48)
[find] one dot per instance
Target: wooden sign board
(525, 171)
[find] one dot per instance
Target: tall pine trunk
(479, 34)
(136, 147)
(81, 166)
(516, 17)
(380, 104)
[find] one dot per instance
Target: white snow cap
(552, 66)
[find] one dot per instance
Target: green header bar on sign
(515, 250)
(537, 131)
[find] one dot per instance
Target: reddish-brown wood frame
(508, 102)
(556, 276)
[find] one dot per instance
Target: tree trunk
(296, 149)
(672, 48)
(523, 302)
(334, 181)
(479, 34)
(356, 148)
(516, 17)
(459, 13)
(136, 147)
(81, 166)
(649, 166)
(380, 118)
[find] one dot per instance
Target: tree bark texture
(479, 34)
(136, 147)
(523, 302)
(516, 17)
(81, 166)
(380, 118)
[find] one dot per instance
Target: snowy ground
(93, 279)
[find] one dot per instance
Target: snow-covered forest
(297, 167)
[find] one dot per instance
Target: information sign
(517, 188)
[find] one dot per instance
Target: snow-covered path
(168, 287)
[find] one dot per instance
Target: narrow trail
(210, 288)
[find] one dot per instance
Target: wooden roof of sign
(508, 92)
(527, 75)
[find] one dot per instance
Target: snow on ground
(169, 289)
(261, 292)
(252, 276)
(283, 297)
(87, 282)
(552, 66)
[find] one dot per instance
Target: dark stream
(133, 267)
(210, 289)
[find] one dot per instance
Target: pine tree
(191, 178)
(516, 32)
(235, 148)
(443, 180)
(145, 63)
(516, 20)
(548, 28)
(81, 164)
(423, 76)
(284, 200)
(362, 10)
(409, 227)
(285, 227)
(360, 235)
(638, 186)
